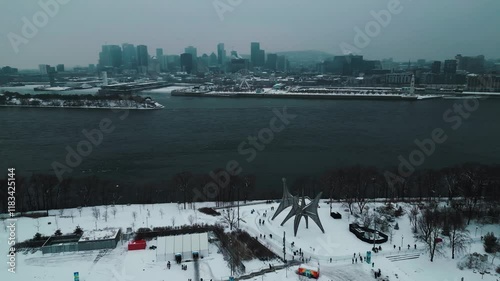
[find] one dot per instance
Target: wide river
(202, 134)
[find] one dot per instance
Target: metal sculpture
(299, 209)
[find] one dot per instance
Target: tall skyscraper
(159, 53)
(221, 54)
(436, 67)
(272, 61)
(43, 68)
(450, 67)
(255, 53)
(261, 60)
(142, 55)
(110, 56)
(282, 64)
(162, 59)
(187, 62)
(129, 56)
(213, 59)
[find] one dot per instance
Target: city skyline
(436, 34)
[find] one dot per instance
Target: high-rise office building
(142, 55)
(129, 56)
(282, 64)
(436, 67)
(272, 61)
(261, 60)
(110, 56)
(159, 53)
(43, 68)
(161, 59)
(470, 64)
(60, 68)
(255, 53)
(194, 54)
(450, 67)
(213, 59)
(187, 62)
(221, 54)
(191, 50)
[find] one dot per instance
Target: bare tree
(105, 215)
(61, 212)
(471, 188)
(114, 211)
(134, 215)
(161, 213)
(229, 217)
(413, 216)
(37, 225)
(459, 235)
(451, 179)
(182, 181)
(71, 215)
(430, 228)
(173, 221)
(96, 214)
(80, 211)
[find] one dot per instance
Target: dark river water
(202, 134)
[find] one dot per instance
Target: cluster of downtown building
(130, 59)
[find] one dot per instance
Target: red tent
(137, 245)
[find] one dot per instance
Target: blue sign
(76, 276)
(368, 257)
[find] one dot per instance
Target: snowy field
(337, 243)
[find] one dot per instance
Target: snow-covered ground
(336, 243)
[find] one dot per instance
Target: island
(14, 99)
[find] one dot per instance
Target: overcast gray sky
(431, 29)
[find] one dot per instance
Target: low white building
(187, 246)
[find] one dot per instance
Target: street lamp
(402, 238)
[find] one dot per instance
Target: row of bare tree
(354, 185)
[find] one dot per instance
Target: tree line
(470, 184)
